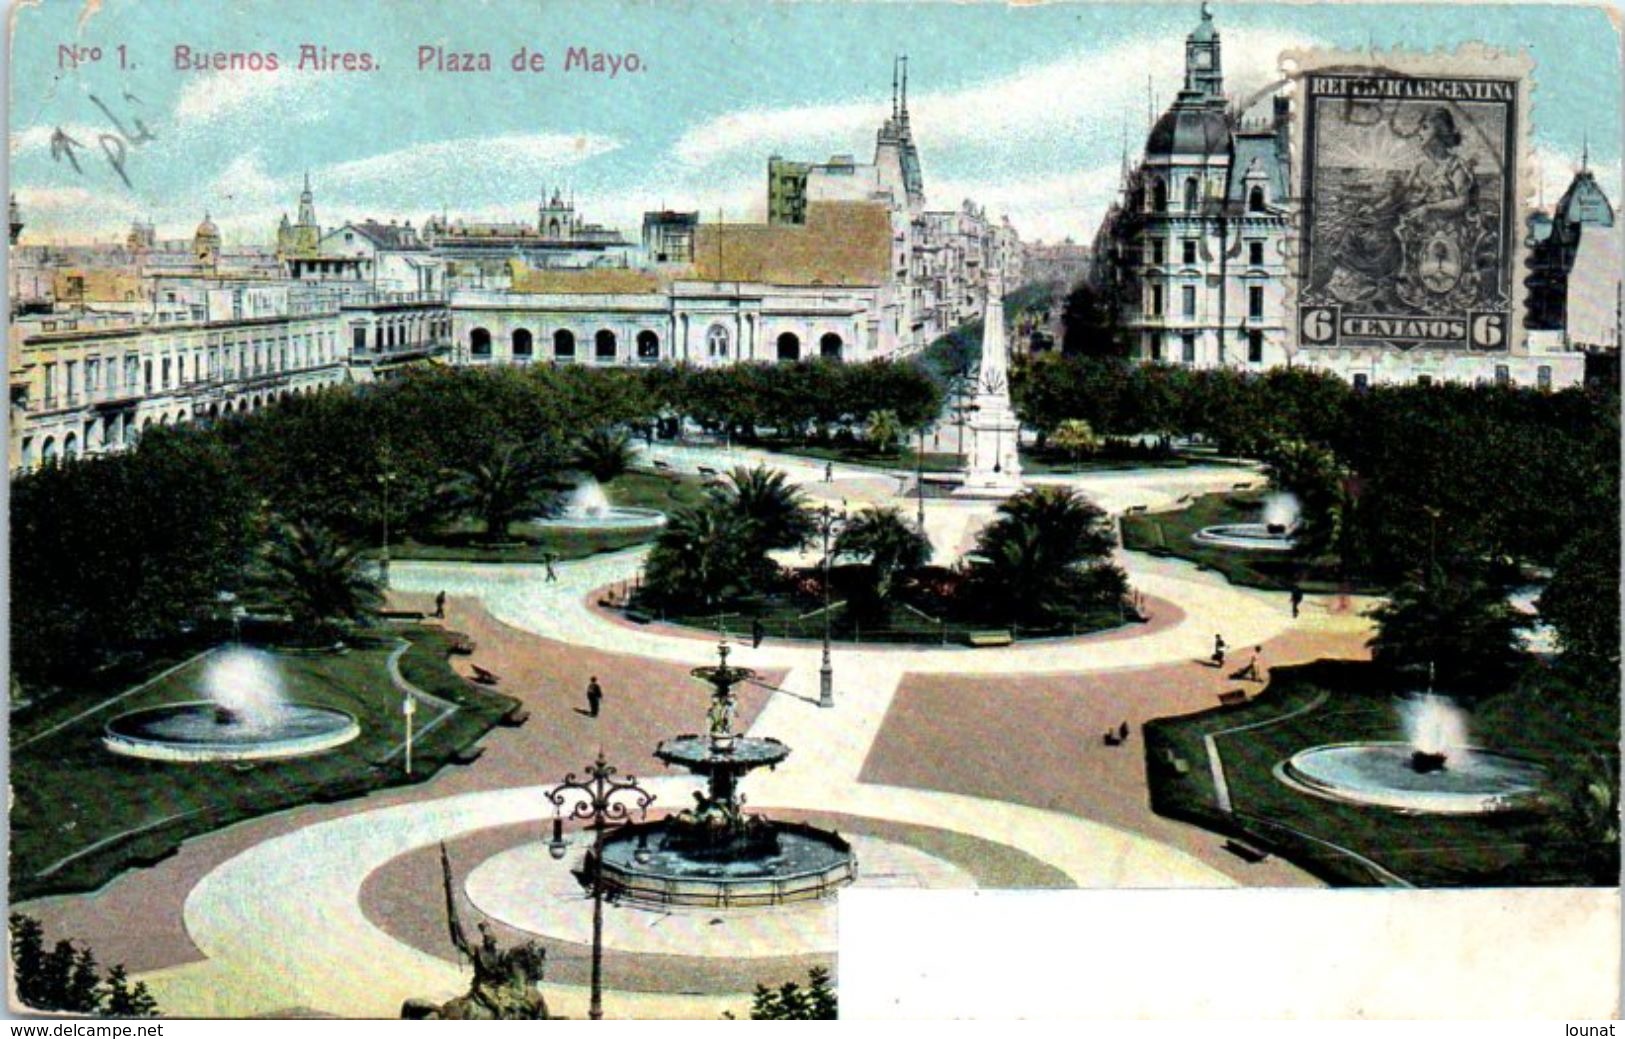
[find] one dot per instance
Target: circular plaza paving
(946, 767)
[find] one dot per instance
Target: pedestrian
(547, 561)
(595, 696)
(1250, 672)
(829, 472)
(1218, 650)
(757, 632)
(1297, 600)
(440, 604)
(1122, 731)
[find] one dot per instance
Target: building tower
(206, 243)
(1204, 74)
(300, 240)
(992, 465)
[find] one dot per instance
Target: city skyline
(238, 145)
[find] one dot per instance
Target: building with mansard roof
(1194, 251)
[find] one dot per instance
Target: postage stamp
(1412, 172)
(529, 509)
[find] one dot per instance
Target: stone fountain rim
(134, 746)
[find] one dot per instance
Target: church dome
(1187, 129)
(207, 228)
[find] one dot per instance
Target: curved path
(280, 924)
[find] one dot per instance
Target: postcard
(734, 509)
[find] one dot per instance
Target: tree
(1310, 474)
(1092, 326)
(1580, 598)
(603, 453)
(510, 481)
(883, 430)
(1076, 438)
(1456, 623)
(318, 580)
(702, 555)
(1042, 561)
(772, 505)
(891, 546)
(67, 979)
(791, 1002)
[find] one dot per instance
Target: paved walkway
(278, 921)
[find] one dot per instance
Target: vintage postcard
(753, 509)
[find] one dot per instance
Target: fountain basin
(614, 517)
(1250, 537)
(200, 731)
(1470, 781)
(805, 864)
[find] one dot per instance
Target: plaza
(902, 765)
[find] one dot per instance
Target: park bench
(1134, 510)
(467, 756)
(1245, 853)
(705, 470)
(980, 639)
(401, 615)
(1242, 486)
(514, 718)
(462, 646)
(664, 467)
(1233, 697)
(482, 676)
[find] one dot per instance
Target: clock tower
(1204, 74)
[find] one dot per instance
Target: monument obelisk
(992, 464)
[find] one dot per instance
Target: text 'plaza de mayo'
(1196, 257)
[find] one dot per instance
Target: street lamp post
(919, 481)
(409, 707)
(385, 477)
(828, 520)
(603, 799)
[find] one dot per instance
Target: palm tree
(509, 482)
(774, 507)
(701, 555)
(317, 579)
(1044, 558)
(603, 453)
(883, 430)
(890, 544)
(1457, 624)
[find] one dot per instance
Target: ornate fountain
(588, 508)
(716, 854)
(1275, 534)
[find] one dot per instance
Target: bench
(484, 677)
(1232, 697)
(1245, 853)
(1134, 510)
(467, 756)
(462, 646)
(980, 639)
(401, 615)
(664, 467)
(514, 718)
(705, 470)
(1242, 486)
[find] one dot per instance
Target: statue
(505, 980)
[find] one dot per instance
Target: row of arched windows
(1158, 197)
(605, 344)
(121, 429)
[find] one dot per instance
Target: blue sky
(1021, 108)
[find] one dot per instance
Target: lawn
(529, 543)
(1169, 534)
(1330, 702)
(81, 815)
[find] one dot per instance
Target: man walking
(1297, 600)
(595, 696)
(440, 605)
(548, 561)
(1218, 651)
(829, 472)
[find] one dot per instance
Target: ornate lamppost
(386, 477)
(603, 799)
(829, 522)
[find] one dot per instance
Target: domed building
(206, 243)
(1193, 251)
